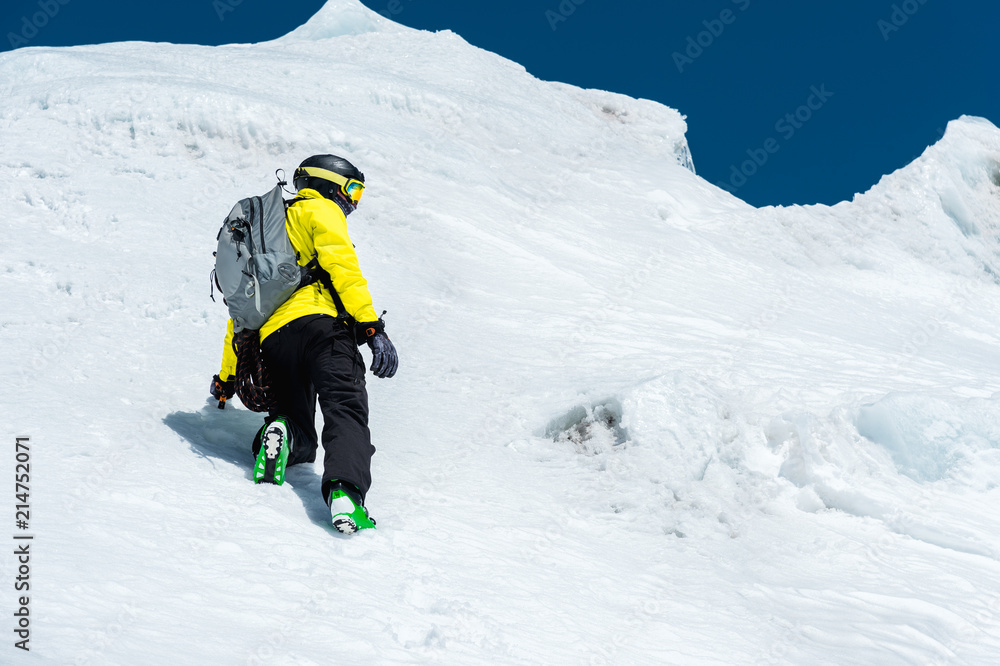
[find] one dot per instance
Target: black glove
(221, 388)
(384, 359)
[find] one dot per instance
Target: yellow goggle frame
(351, 187)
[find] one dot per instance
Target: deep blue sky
(885, 93)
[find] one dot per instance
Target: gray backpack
(255, 265)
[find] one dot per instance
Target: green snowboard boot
(347, 511)
(275, 444)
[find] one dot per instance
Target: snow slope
(637, 421)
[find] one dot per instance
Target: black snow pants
(315, 357)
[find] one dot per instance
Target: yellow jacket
(316, 227)
(228, 357)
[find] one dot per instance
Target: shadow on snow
(226, 435)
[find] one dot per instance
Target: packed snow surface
(637, 420)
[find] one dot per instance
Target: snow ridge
(339, 18)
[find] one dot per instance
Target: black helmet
(333, 177)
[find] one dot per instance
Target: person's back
(317, 228)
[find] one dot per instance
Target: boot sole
(271, 470)
(345, 525)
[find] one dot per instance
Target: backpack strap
(319, 274)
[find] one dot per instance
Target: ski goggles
(351, 187)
